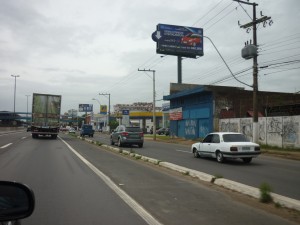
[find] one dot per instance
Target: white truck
(45, 115)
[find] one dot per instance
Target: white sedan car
(222, 145)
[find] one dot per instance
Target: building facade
(195, 110)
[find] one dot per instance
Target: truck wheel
(140, 145)
(92, 135)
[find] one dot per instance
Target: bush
(265, 193)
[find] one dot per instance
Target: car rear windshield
(133, 129)
(234, 138)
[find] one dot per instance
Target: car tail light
(141, 134)
(257, 148)
(233, 149)
(124, 133)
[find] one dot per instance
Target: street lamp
(108, 117)
(15, 76)
(154, 115)
(27, 110)
(98, 102)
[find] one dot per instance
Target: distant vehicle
(123, 135)
(28, 128)
(222, 145)
(191, 39)
(72, 131)
(167, 131)
(87, 130)
(45, 115)
(161, 131)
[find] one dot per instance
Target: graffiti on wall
(290, 131)
(277, 131)
(229, 126)
(190, 127)
(246, 127)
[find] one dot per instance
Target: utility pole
(253, 24)
(154, 115)
(108, 118)
(15, 76)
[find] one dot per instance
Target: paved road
(68, 192)
(281, 174)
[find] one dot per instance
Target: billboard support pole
(179, 69)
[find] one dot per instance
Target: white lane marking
(178, 150)
(5, 146)
(122, 194)
(23, 137)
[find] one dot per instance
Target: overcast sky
(79, 49)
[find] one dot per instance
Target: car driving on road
(124, 135)
(222, 145)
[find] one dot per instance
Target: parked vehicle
(161, 131)
(87, 130)
(167, 131)
(45, 115)
(72, 131)
(123, 135)
(222, 145)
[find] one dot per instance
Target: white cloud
(82, 48)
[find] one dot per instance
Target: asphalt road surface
(281, 174)
(68, 191)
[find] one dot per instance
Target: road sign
(178, 40)
(85, 107)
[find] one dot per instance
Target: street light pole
(27, 110)
(15, 76)
(154, 115)
(108, 118)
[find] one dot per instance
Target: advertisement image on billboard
(178, 40)
(85, 107)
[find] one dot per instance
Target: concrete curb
(222, 182)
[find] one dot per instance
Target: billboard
(85, 107)
(176, 114)
(103, 109)
(178, 40)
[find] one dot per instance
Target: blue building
(195, 110)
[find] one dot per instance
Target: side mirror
(16, 201)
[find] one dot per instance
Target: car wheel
(196, 154)
(140, 145)
(247, 160)
(119, 142)
(220, 157)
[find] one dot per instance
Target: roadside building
(195, 110)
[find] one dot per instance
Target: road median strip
(222, 182)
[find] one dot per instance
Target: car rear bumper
(240, 154)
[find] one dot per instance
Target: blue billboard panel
(178, 40)
(85, 107)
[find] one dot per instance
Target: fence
(274, 131)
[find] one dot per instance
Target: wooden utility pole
(255, 70)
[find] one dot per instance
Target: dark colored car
(161, 131)
(167, 131)
(123, 135)
(87, 129)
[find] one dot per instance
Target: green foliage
(113, 124)
(265, 193)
